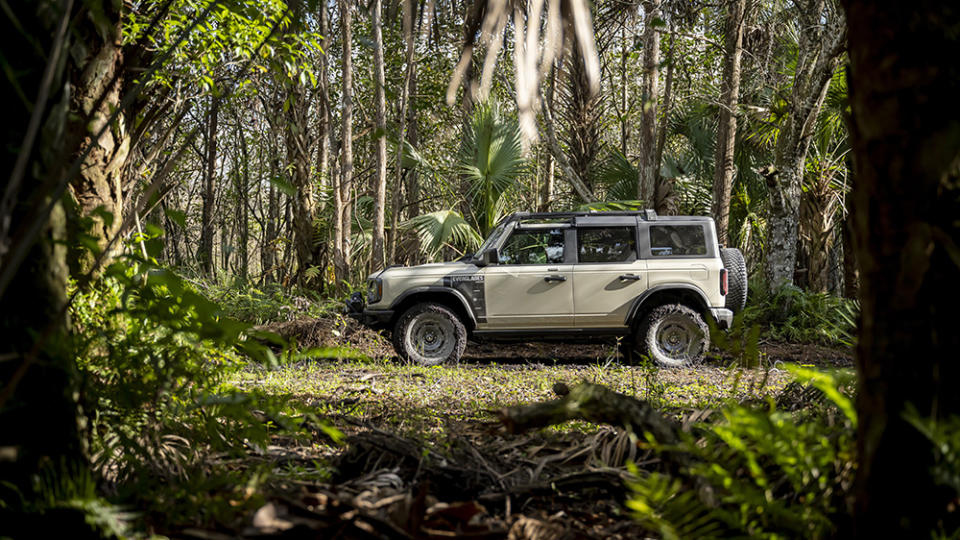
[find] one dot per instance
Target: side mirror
(490, 256)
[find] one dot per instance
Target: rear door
(607, 276)
(532, 286)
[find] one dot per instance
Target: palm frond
(491, 159)
(443, 228)
(618, 176)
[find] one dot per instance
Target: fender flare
(638, 301)
(433, 290)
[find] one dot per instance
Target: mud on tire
(673, 335)
(429, 334)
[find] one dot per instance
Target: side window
(677, 240)
(533, 247)
(608, 244)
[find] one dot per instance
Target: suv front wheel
(673, 335)
(429, 334)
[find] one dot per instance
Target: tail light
(723, 281)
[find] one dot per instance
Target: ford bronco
(651, 281)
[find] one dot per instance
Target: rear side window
(607, 244)
(543, 246)
(677, 240)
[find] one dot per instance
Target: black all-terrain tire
(736, 267)
(673, 335)
(429, 334)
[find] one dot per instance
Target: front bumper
(723, 316)
(374, 318)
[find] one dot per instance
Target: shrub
(792, 314)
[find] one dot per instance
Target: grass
(413, 399)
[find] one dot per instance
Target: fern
(757, 473)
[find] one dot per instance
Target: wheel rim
(678, 338)
(432, 336)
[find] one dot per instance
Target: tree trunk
(243, 200)
(905, 133)
(549, 173)
(298, 163)
(727, 133)
(819, 54)
(342, 250)
(38, 375)
(205, 253)
(97, 91)
(378, 252)
(667, 96)
(649, 168)
(268, 249)
(408, 133)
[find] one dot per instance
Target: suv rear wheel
(429, 334)
(673, 335)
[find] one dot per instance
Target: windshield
(491, 240)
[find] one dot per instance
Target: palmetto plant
(443, 228)
(491, 159)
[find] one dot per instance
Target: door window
(607, 244)
(533, 247)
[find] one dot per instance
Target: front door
(531, 288)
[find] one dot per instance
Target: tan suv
(582, 276)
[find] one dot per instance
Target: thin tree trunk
(549, 175)
(906, 149)
(378, 252)
(667, 96)
(243, 200)
(727, 132)
(342, 250)
(408, 121)
(649, 168)
(205, 253)
(624, 90)
(298, 163)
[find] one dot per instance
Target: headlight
(374, 291)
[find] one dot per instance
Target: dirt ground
(344, 332)
(424, 455)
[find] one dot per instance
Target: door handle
(629, 277)
(550, 278)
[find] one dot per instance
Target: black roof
(591, 216)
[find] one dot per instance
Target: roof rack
(646, 215)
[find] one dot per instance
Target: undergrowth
(260, 304)
(791, 314)
(756, 472)
(166, 428)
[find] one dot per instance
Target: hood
(441, 268)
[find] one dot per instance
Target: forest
(195, 188)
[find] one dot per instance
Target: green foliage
(757, 473)
(155, 355)
(248, 302)
(794, 315)
(491, 159)
(443, 228)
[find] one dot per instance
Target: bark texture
(821, 45)
(342, 202)
(378, 252)
(205, 251)
(650, 94)
(298, 168)
(905, 132)
(724, 168)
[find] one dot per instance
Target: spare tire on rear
(736, 267)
